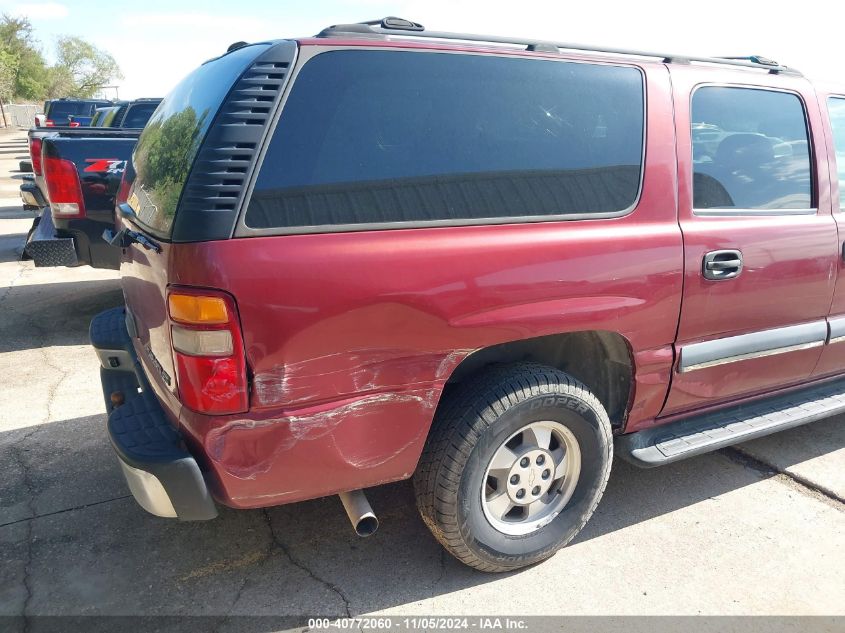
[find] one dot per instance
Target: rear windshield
(139, 114)
(171, 139)
(384, 137)
(61, 110)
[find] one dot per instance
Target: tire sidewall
(588, 425)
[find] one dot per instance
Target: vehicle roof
(395, 32)
(831, 88)
(81, 100)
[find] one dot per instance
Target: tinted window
(378, 136)
(109, 116)
(170, 141)
(836, 107)
(61, 110)
(139, 114)
(750, 150)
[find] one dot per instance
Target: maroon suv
(383, 252)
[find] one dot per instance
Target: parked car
(77, 173)
(33, 189)
(132, 114)
(79, 120)
(57, 112)
(99, 116)
(73, 238)
(383, 253)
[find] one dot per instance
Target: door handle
(719, 265)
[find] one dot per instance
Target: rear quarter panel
(350, 337)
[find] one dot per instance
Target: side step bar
(714, 430)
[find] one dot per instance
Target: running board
(714, 430)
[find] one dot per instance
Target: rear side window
(171, 139)
(382, 137)
(836, 107)
(750, 150)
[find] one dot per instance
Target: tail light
(208, 353)
(35, 155)
(74, 124)
(49, 123)
(64, 188)
(123, 191)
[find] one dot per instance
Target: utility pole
(3, 111)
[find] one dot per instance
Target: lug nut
(535, 490)
(520, 493)
(514, 479)
(547, 473)
(524, 462)
(541, 459)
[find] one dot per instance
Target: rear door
(760, 242)
(833, 356)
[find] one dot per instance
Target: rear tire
(515, 464)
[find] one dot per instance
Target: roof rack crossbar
(396, 26)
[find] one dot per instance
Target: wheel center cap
(531, 476)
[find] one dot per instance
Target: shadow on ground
(288, 560)
(58, 312)
(16, 213)
(11, 245)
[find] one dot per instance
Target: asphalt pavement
(755, 530)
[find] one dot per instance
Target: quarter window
(377, 137)
(836, 107)
(750, 150)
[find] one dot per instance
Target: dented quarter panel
(351, 337)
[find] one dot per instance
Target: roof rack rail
(398, 26)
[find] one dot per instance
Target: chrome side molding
(756, 345)
(837, 330)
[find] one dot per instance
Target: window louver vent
(215, 188)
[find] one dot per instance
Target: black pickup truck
(76, 180)
(77, 173)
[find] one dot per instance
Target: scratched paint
(259, 444)
(349, 373)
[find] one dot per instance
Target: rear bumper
(162, 475)
(47, 248)
(31, 196)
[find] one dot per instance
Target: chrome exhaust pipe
(360, 513)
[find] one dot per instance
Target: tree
(8, 68)
(81, 69)
(23, 56)
(16, 33)
(31, 76)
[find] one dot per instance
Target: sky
(157, 42)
